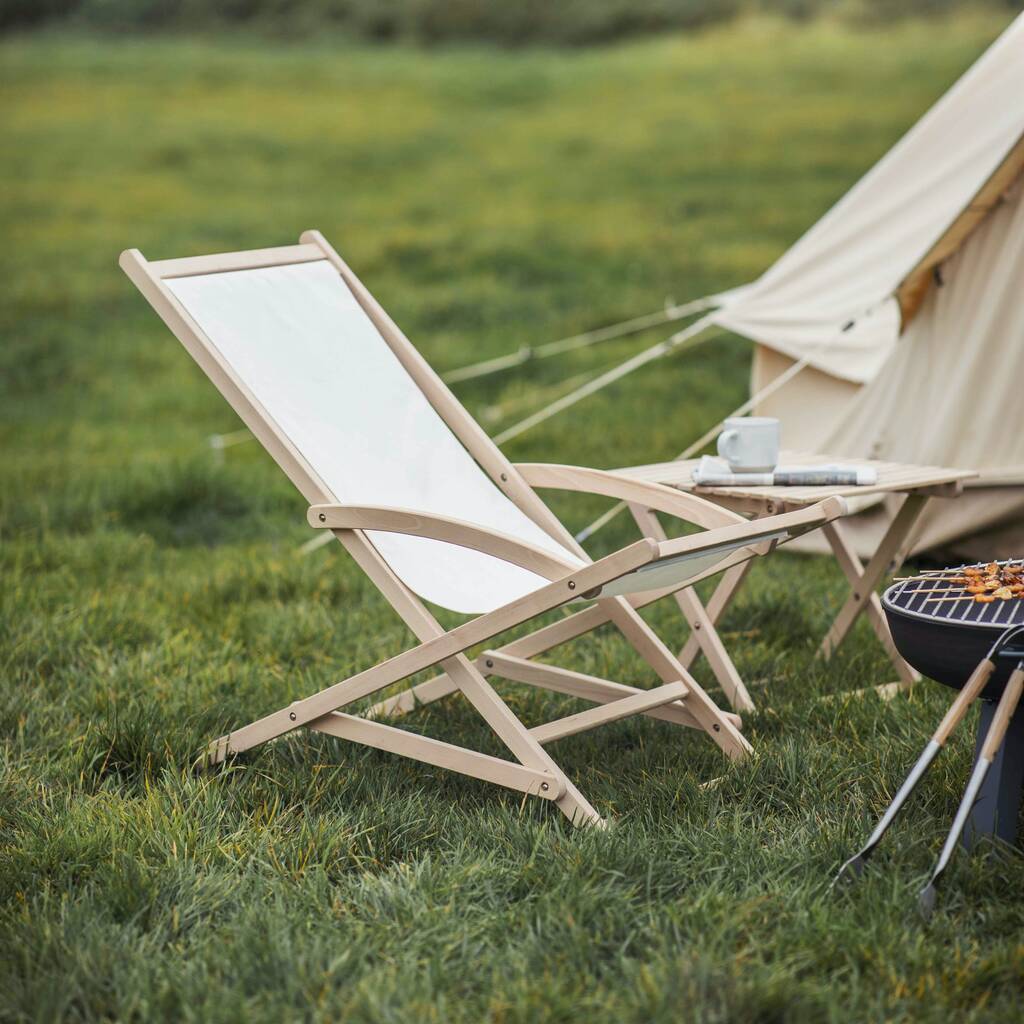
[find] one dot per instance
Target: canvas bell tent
(894, 327)
(905, 306)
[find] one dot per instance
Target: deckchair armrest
(757, 531)
(386, 519)
(688, 560)
(688, 507)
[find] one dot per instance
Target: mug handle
(727, 444)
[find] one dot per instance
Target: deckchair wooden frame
(678, 699)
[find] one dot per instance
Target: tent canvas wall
(904, 301)
(950, 393)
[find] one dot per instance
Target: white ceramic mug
(750, 444)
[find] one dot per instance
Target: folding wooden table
(918, 484)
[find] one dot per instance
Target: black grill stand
(997, 808)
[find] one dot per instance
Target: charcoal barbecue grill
(976, 647)
(944, 636)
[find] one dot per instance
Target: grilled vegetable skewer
(983, 584)
(984, 598)
(940, 575)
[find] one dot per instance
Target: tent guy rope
(527, 353)
(684, 338)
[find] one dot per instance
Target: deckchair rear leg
(217, 752)
(305, 711)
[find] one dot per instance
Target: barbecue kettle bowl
(945, 639)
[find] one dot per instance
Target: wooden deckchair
(431, 510)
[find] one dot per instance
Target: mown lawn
(152, 599)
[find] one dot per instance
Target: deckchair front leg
(540, 776)
(438, 646)
(572, 803)
(472, 684)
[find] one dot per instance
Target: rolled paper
(712, 472)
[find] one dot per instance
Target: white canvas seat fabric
(301, 343)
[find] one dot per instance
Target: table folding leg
(863, 599)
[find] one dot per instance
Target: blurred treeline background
(503, 22)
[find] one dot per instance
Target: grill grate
(918, 597)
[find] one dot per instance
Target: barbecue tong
(993, 740)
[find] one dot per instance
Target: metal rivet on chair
(572, 585)
(489, 663)
(504, 478)
(544, 786)
(322, 518)
(292, 715)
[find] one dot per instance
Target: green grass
(151, 600)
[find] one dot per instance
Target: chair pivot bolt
(292, 715)
(322, 518)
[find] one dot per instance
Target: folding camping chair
(431, 510)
